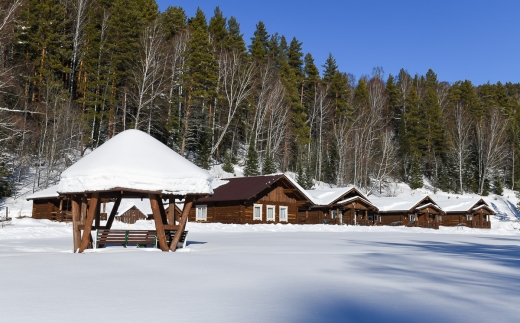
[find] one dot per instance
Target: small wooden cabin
(473, 213)
(411, 211)
(132, 215)
(258, 199)
(48, 204)
(344, 205)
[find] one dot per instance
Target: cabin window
(257, 212)
(334, 214)
(413, 218)
(283, 213)
(201, 213)
(270, 213)
(469, 217)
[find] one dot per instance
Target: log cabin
(472, 212)
(343, 205)
(413, 211)
(258, 199)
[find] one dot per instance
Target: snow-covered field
(264, 273)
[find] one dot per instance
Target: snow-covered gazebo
(132, 165)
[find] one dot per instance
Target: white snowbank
(135, 160)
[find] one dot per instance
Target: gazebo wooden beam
(155, 202)
(92, 210)
(76, 214)
(188, 202)
(110, 219)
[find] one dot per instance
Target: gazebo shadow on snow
(194, 242)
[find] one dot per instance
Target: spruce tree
(268, 167)
(393, 114)
(6, 187)
(251, 168)
(228, 163)
(416, 180)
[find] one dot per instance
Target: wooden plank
(188, 202)
(93, 205)
(76, 213)
(155, 201)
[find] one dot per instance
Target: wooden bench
(135, 237)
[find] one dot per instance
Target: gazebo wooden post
(171, 211)
(83, 214)
(92, 210)
(98, 215)
(188, 202)
(76, 213)
(155, 202)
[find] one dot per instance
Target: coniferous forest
(74, 73)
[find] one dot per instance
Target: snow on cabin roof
(387, 204)
(328, 196)
(134, 160)
(353, 198)
(459, 205)
(49, 192)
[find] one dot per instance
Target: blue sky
(474, 40)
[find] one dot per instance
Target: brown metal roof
(241, 188)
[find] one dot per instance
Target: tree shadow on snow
(345, 310)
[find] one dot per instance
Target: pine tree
(200, 78)
(235, 40)
(338, 83)
(173, 20)
(268, 167)
(217, 29)
(259, 43)
(251, 168)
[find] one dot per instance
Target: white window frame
(286, 208)
(201, 217)
(255, 218)
(267, 208)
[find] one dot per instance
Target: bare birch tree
(80, 8)
(460, 140)
(490, 144)
(149, 72)
(237, 79)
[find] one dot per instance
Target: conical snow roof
(136, 161)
